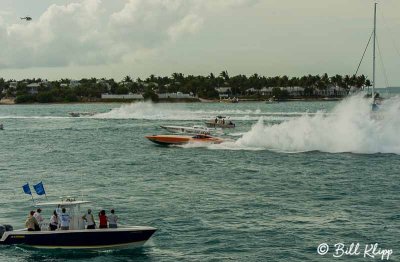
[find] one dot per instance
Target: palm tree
(127, 79)
(224, 75)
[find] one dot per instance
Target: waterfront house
(129, 96)
(224, 92)
(13, 85)
(74, 83)
(175, 95)
(33, 88)
(331, 91)
(294, 90)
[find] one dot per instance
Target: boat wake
(150, 111)
(351, 127)
(36, 117)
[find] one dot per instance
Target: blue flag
(27, 189)
(39, 188)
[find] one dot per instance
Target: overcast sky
(114, 38)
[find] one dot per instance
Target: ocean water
(292, 176)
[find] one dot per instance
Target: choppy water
(296, 175)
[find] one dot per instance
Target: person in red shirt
(103, 219)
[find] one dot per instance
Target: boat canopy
(63, 203)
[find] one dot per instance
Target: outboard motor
(2, 230)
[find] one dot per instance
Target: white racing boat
(187, 130)
(77, 237)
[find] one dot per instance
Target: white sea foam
(350, 128)
(150, 111)
(36, 117)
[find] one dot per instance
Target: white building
(224, 92)
(294, 90)
(33, 88)
(13, 85)
(74, 83)
(175, 95)
(125, 96)
(331, 91)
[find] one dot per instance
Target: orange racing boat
(180, 140)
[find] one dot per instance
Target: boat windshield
(201, 136)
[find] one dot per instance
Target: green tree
(149, 94)
(127, 79)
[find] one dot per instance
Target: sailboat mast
(373, 63)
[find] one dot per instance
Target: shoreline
(127, 101)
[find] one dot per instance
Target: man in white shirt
(112, 220)
(64, 220)
(88, 217)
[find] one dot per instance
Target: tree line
(88, 89)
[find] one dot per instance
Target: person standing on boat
(39, 218)
(59, 211)
(112, 220)
(31, 222)
(64, 220)
(103, 219)
(88, 217)
(54, 221)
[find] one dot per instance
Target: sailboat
(374, 104)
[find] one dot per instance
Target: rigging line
(382, 64)
(365, 50)
(390, 33)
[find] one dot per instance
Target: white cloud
(87, 33)
(189, 24)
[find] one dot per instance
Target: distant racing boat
(79, 114)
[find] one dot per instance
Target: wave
(351, 127)
(38, 117)
(150, 111)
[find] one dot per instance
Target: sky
(114, 38)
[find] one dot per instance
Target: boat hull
(219, 125)
(180, 140)
(120, 238)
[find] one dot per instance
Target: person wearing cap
(112, 219)
(88, 217)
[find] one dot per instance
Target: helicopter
(27, 18)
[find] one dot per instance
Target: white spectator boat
(77, 237)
